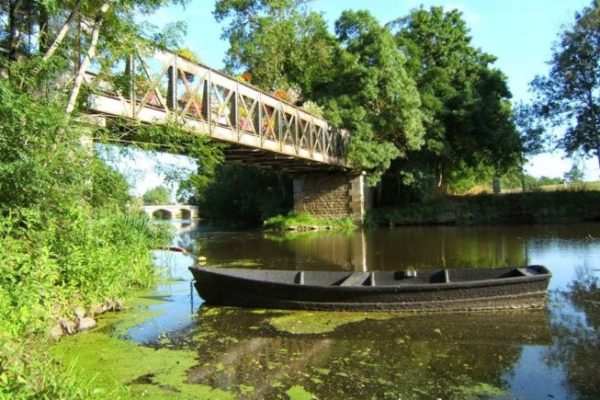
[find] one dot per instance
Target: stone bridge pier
(332, 195)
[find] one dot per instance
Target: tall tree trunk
(62, 33)
(91, 53)
(440, 176)
(43, 21)
(522, 171)
(13, 39)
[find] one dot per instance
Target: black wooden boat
(425, 290)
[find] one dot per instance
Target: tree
(372, 95)
(245, 194)
(157, 195)
(569, 96)
(575, 174)
(358, 77)
(280, 44)
(468, 117)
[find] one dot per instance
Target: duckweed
(313, 322)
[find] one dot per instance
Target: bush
(245, 194)
(301, 221)
(90, 256)
(65, 240)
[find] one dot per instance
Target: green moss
(246, 390)
(298, 392)
(132, 371)
(477, 391)
(313, 322)
(137, 311)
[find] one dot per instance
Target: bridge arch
(161, 213)
(186, 213)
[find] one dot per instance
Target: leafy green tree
(372, 95)
(569, 96)
(107, 187)
(515, 179)
(279, 43)
(245, 194)
(357, 76)
(157, 195)
(575, 174)
(468, 117)
(545, 180)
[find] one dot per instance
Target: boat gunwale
(545, 275)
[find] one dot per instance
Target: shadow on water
(258, 354)
(577, 334)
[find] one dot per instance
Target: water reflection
(539, 354)
(577, 334)
(391, 249)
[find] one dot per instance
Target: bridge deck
(261, 128)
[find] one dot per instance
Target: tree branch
(91, 53)
(63, 31)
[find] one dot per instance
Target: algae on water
(298, 392)
(315, 322)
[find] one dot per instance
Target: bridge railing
(165, 86)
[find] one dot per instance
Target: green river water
(168, 345)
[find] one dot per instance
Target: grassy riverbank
(306, 222)
(52, 268)
(485, 209)
(68, 248)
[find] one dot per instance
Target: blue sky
(520, 33)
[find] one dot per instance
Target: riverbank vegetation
(70, 245)
(489, 209)
(67, 240)
(306, 222)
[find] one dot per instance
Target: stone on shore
(85, 324)
(69, 327)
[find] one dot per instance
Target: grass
(51, 266)
(306, 222)
(532, 207)
(577, 186)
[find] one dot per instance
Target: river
(261, 354)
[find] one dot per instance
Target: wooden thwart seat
(524, 271)
(299, 278)
(446, 276)
(355, 279)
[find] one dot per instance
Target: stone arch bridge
(171, 211)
